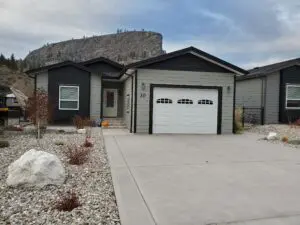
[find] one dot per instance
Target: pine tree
(13, 63)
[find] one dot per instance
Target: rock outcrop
(123, 47)
(36, 169)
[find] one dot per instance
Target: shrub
(88, 143)
(4, 144)
(61, 131)
(77, 155)
(80, 122)
(285, 139)
(238, 121)
(67, 201)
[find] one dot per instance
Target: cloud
(243, 32)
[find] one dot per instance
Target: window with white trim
(292, 96)
(68, 97)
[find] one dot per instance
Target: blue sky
(246, 33)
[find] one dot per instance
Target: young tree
(39, 110)
(13, 63)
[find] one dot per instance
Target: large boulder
(36, 169)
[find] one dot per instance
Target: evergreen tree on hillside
(13, 63)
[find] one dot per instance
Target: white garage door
(185, 111)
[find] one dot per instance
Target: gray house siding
(95, 98)
(249, 93)
(272, 98)
(42, 81)
(127, 101)
(146, 77)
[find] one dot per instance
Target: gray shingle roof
(268, 69)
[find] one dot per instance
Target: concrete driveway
(203, 179)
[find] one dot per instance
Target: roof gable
(59, 65)
(187, 62)
(191, 50)
(103, 60)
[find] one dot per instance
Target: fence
(253, 115)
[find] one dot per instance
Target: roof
(58, 65)
(269, 69)
(192, 50)
(103, 59)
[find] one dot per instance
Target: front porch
(113, 103)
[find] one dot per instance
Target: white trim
(286, 95)
(68, 100)
(219, 64)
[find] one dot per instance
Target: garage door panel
(198, 117)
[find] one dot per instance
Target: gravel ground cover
(91, 181)
(283, 130)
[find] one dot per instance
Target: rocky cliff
(17, 80)
(123, 47)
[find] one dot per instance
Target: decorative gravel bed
(91, 181)
(283, 130)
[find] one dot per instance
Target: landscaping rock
(81, 131)
(36, 169)
(272, 136)
(4, 144)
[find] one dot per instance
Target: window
(164, 101)
(185, 101)
(110, 99)
(68, 97)
(292, 97)
(15, 100)
(205, 102)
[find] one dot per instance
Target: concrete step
(115, 127)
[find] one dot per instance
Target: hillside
(123, 47)
(17, 80)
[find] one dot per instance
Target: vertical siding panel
(127, 96)
(95, 98)
(42, 81)
(147, 77)
(249, 93)
(272, 98)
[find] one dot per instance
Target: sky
(247, 33)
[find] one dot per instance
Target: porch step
(115, 123)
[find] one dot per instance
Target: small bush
(80, 122)
(67, 201)
(15, 128)
(61, 131)
(4, 144)
(238, 124)
(285, 139)
(88, 143)
(59, 143)
(77, 155)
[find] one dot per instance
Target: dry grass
(77, 155)
(80, 122)
(87, 143)
(238, 121)
(67, 201)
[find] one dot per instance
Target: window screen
(69, 97)
(293, 96)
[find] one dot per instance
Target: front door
(110, 102)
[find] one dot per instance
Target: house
(186, 91)
(273, 88)
(11, 101)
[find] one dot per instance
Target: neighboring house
(274, 88)
(186, 91)
(11, 101)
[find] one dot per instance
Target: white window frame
(286, 95)
(69, 100)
